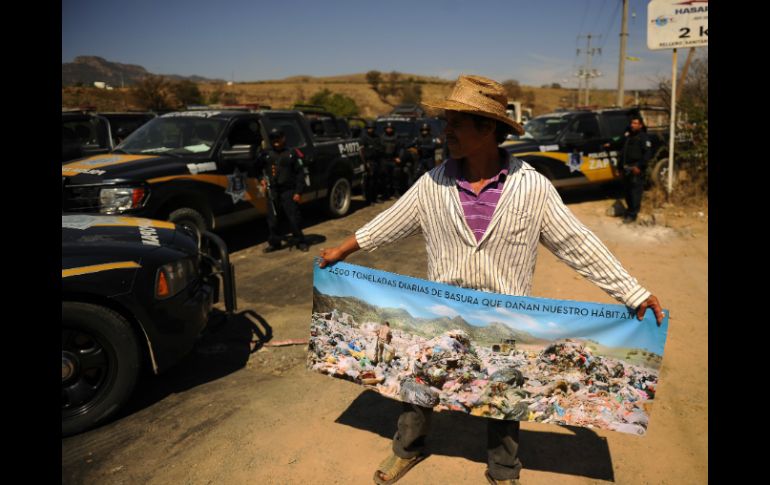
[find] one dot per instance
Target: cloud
(516, 321)
(442, 310)
(519, 319)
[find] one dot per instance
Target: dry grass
(284, 93)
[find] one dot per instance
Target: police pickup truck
(197, 168)
(576, 148)
(136, 294)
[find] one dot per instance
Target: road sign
(677, 23)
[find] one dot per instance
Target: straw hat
(478, 95)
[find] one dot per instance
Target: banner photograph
(497, 356)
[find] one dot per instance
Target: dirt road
(237, 411)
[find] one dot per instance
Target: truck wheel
(186, 216)
(338, 202)
(100, 365)
(659, 173)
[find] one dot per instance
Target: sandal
(395, 467)
(510, 481)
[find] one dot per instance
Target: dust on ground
(238, 411)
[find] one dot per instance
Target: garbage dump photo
(485, 354)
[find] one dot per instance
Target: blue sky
(534, 42)
(631, 333)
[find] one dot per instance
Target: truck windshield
(545, 128)
(181, 135)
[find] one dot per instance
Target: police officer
(371, 152)
(637, 151)
(284, 179)
(391, 162)
(426, 146)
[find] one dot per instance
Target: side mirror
(240, 152)
(572, 138)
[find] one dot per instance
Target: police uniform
(637, 151)
(426, 149)
(372, 153)
(391, 173)
(285, 177)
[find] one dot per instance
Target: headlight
(174, 277)
(118, 199)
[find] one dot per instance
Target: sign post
(672, 24)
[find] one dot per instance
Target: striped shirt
(503, 260)
(478, 208)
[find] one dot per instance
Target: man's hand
(635, 170)
(332, 255)
(296, 198)
(651, 302)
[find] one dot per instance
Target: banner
(486, 354)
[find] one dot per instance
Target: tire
(100, 365)
(338, 201)
(186, 216)
(659, 174)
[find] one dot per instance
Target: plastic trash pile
(564, 383)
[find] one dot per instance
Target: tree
(374, 78)
(512, 89)
(186, 93)
(555, 86)
(336, 103)
(392, 88)
(216, 95)
(411, 93)
(529, 98)
(692, 127)
(153, 93)
(229, 98)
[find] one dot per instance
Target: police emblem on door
(236, 186)
(575, 159)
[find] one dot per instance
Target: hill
(426, 327)
(88, 69)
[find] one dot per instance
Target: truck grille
(80, 199)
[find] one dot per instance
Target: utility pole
(622, 63)
(586, 72)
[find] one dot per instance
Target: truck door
(582, 140)
(242, 190)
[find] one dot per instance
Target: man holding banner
(482, 214)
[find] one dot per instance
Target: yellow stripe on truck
(587, 165)
(66, 273)
(97, 162)
(253, 195)
(137, 222)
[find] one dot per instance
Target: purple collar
(453, 170)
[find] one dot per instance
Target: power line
(596, 18)
(613, 18)
(585, 12)
(586, 72)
